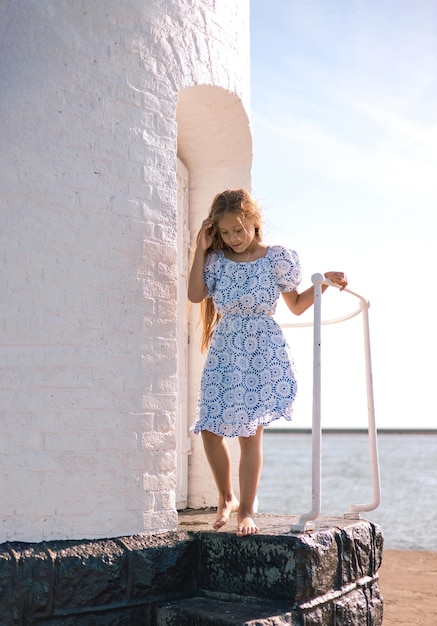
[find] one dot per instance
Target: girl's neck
(252, 253)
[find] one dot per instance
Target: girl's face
(237, 231)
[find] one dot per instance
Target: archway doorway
(215, 145)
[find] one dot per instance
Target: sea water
(407, 514)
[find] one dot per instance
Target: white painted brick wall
(88, 250)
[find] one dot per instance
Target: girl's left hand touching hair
(339, 278)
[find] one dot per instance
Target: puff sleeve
(287, 268)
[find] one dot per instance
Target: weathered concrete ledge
(328, 576)
(199, 577)
(113, 581)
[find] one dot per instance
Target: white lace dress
(249, 376)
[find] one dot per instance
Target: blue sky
(344, 123)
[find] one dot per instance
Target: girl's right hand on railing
(338, 278)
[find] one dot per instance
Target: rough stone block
(364, 606)
(89, 573)
(257, 566)
(360, 548)
(26, 581)
(295, 568)
(204, 611)
(136, 616)
(160, 564)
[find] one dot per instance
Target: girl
(248, 378)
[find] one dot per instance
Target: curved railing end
(303, 525)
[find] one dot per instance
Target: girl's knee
(209, 437)
(254, 440)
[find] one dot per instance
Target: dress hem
(196, 428)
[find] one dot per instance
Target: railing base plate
(303, 527)
(352, 515)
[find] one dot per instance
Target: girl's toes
(247, 527)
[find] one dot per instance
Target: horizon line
(354, 431)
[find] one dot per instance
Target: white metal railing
(306, 521)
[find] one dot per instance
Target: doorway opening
(182, 439)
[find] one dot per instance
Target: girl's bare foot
(246, 525)
(224, 511)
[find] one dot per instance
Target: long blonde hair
(229, 201)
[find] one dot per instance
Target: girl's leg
(251, 461)
(217, 453)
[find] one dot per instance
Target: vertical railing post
(355, 509)
(306, 521)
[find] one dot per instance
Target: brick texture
(88, 248)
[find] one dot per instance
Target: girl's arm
(298, 303)
(197, 289)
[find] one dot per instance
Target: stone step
(282, 567)
(327, 576)
(209, 611)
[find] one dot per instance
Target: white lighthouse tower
(120, 121)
